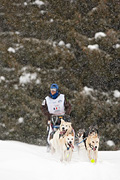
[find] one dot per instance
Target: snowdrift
(20, 161)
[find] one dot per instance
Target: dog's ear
(69, 124)
(72, 133)
(96, 128)
(95, 135)
(62, 121)
(90, 128)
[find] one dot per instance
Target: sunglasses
(53, 90)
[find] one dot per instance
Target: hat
(54, 86)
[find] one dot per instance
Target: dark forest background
(48, 42)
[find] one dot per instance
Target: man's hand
(49, 122)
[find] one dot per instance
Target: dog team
(63, 141)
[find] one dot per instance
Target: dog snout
(70, 142)
(63, 128)
(95, 147)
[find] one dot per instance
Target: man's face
(53, 91)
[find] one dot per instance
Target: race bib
(56, 106)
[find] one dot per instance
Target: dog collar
(67, 146)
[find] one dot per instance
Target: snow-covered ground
(20, 161)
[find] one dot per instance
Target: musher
(55, 105)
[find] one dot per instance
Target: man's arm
(45, 109)
(67, 107)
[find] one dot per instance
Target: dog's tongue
(94, 149)
(71, 145)
(62, 132)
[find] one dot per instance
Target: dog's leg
(96, 154)
(52, 150)
(70, 155)
(67, 155)
(61, 159)
(62, 156)
(78, 150)
(89, 155)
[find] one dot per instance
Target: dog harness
(82, 141)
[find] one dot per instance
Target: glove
(49, 122)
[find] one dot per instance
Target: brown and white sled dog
(92, 145)
(66, 147)
(64, 130)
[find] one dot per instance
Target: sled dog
(92, 145)
(64, 130)
(66, 147)
(81, 139)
